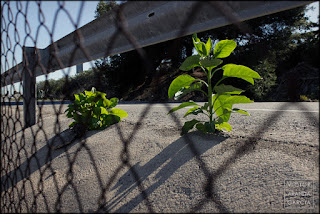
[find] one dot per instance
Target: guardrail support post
(29, 87)
(79, 68)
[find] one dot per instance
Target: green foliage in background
(220, 97)
(275, 45)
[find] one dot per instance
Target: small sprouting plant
(92, 110)
(220, 97)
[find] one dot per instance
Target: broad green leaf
(224, 48)
(90, 99)
(178, 83)
(210, 127)
(225, 116)
(88, 93)
(218, 101)
(99, 95)
(182, 105)
(118, 112)
(240, 71)
(188, 125)
(195, 38)
(200, 46)
(210, 63)
(208, 46)
(106, 103)
(99, 103)
(103, 110)
(190, 62)
(114, 102)
(185, 90)
(236, 110)
(195, 110)
(237, 99)
(97, 110)
(228, 89)
(220, 107)
(203, 49)
(110, 119)
(82, 97)
(77, 99)
(223, 125)
(223, 104)
(201, 127)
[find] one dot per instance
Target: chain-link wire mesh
(108, 174)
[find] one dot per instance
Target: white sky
(62, 27)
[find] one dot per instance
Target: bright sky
(59, 24)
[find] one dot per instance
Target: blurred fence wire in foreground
(25, 148)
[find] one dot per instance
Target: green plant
(220, 97)
(93, 110)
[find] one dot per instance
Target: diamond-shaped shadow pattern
(84, 176)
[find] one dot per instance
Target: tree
(277, 43)
(128, 70)
(270, 49)
(103, 7)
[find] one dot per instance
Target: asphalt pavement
(143, 164)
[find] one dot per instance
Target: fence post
(79, 68)
(29, 87)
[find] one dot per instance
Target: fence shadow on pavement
(43, 156)
(170, 159)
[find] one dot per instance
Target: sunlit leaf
(199, 46)
(224, 48)
(187, 89)
(118, 112)
(178, 83)
(240, 71)
(237, 99)
(224, 125)
(208, 46)
(195, 110)
(182, 105)
(106, 103)
(103, 110)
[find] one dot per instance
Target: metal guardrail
(144, 21)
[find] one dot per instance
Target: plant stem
(215, 71)
(202, 82)
(220, 81)
(210, 96)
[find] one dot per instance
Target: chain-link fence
(141, 164)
